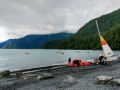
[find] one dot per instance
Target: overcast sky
(22, 17)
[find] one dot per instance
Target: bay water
(17, 59)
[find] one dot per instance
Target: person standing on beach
(102, 60)
(69, 60)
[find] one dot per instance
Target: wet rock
(45, 76)
(115, 82)
(29, 76)
(5, 73)
(19, 74)
(69, 79)
(103, 79)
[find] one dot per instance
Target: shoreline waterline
(16, 59)
(39, 68)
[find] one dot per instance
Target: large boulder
(103, 79)
(115, 82)
(45, 76)
(5, 73)
(69, 79)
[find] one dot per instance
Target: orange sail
(106, 48)
(103, 42)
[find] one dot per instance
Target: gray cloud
(23, 17)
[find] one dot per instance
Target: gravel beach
(84, 76)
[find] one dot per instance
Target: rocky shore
(84, 78)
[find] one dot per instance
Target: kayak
(76, 63)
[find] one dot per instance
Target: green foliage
(50, 45)
(88, 42)
(93, 42)
(105, 23)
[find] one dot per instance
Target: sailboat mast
(97, 27)
(106, 48)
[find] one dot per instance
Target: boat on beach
(110, 56)
(77, 62)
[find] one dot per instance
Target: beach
(85, 78)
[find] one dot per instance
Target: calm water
(15, 59)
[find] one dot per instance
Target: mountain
(34, 41)
(53, 44)
(105, 23)
(6, 42)
(87, 36)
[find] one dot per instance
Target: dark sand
(85, 77)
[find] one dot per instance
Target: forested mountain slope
(34, 41)
(6, 42)
(87, 36)
(105, 23)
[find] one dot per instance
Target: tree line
(88, 42)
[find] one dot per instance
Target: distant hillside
(105, 23)
(34, 41)
(53, 44)
(87, 36)
(6, 42)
